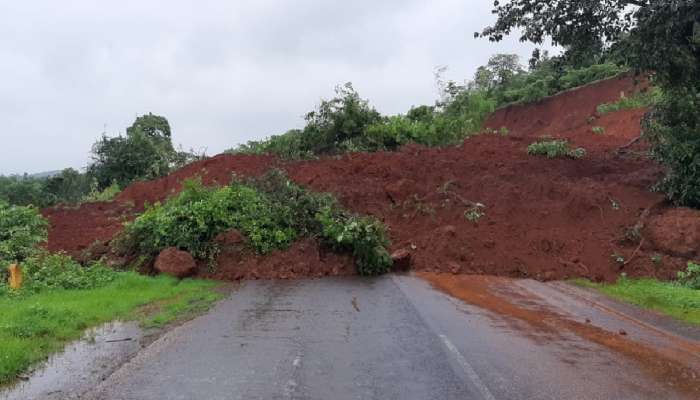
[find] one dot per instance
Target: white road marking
(485, 392)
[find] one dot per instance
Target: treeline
(348, 123)
(145, 152)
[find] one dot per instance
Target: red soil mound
(547, 219)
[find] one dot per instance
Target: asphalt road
(392, 337)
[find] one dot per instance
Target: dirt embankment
(546, 219)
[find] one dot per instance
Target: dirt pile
(485, 206)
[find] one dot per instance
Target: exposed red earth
(546, 219)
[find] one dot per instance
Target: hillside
(592, 217)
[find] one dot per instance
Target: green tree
(662, 36)
(146, 152)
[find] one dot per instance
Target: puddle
(80, 366)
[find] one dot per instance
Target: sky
(223, 72)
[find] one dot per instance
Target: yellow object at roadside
(15, 276)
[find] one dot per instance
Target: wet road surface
(396, 337)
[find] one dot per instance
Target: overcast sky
(221, 71)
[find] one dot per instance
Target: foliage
(364, 237)
(271, 211)
(191, 220)
(674, 128)
(23, 191)
(34, 325)
(649, 35)
(690, 278)
(554, 149)
(598, 130)
(22, 229)
(146, 152)
(645, 99)
(107, 194)
(319, 215)
(58, 271)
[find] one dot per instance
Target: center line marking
(485, 392)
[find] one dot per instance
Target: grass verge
(666, 297)
(36, 325)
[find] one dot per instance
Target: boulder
(177, 263)
(676, 232)
(401, 259)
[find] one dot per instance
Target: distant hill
(46, 174)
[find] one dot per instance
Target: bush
(107, 194)
(644, 99)
(22, 229)
(59, 271)
(555, 149)
(690, 278)
(364, 237)
(319, 215)
(191, 220)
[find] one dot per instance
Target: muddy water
(81, 365)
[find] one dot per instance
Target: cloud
(222, 72)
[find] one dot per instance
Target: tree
(662, 36)
(146, 152)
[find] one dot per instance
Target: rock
(400, 190)
(622, 332)
(402, 260)
(175, 262)
(676, 232)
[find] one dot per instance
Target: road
(396, 337)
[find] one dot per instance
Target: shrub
(644, 99)
(191, 220)
(555, 149)
(109, 193)
(582, 76)
(598, 130)
(22, 229)
(58, 271)
(320, 215)
(690, 278)
(364, 237)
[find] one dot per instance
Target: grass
(644, 99)
(666, 297)
(555, 149)
(34, 326)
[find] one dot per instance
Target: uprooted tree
(662, 36)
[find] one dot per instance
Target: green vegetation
(145, 152)
(690, 278)
(270, 211)
(347, 123)
(598, 130)
(671, 298)
(21, 230)
(34, 325)
(60, 298)
(191, 220)
(645, 99)
(555, 149)
(662, 36)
